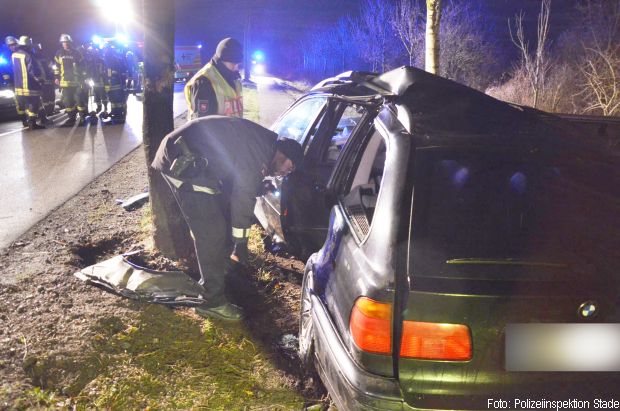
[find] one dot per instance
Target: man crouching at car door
(215, 166)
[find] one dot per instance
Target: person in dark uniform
(215, 166)
(69, 76)
(116, 79)
(99, 82)
(48, 90)
(11, 43)
(216, 88)
(28, 80)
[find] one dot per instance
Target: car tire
(306, 330)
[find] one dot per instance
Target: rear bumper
(351, 387)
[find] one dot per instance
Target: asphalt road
(40, 170)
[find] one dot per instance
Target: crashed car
(470, 258)
(294, 211)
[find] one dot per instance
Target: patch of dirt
(48, 318)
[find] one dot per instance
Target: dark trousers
(48, 95)
(118, 102)
(100, 97)
(205, 215)
(82, 100)
(69, 99)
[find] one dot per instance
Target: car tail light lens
(370, 325)
(432, 341)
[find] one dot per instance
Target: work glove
(240, 252)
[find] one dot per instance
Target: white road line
(53, 118)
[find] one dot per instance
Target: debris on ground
(120, 276)
(134, 202)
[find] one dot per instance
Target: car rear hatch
(502, 245)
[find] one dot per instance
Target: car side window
(351, 117)
(297, 122)
(366, 177)
(340, 125)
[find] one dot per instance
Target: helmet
(65, 38)
(10, 41)
(25, 41)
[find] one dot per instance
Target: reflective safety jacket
(27, 76)
(69, 67)
(229, 100)
(115, 71)
(97, 71)
(235, 150)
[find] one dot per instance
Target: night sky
(274, 24)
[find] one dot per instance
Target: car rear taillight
(370, 326)
(432, 341)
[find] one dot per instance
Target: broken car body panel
(120, 276)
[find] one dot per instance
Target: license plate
(562, 347)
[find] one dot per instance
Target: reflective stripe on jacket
(26, 74)
(69, 67)
(229, 100)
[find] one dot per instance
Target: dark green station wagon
(471, 257)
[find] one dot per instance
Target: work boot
(81, 120)
(24, 121)
(226, 312)
(32, 124)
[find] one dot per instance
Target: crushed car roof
(448, 111)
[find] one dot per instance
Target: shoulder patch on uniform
(203, 106)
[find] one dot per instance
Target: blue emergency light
(258, 56)
(97, 40)
(122, 38)
(3, 61)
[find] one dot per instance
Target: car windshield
(296, 122)
(476, 212)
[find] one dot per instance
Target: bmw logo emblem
(588, 309)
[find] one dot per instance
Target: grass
(166, 359)
(250, 103)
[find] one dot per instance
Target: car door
(298, 122)
(306, 194)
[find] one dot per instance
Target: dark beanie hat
(229, 50)
(291, 149)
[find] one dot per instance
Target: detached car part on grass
(452, 218)
(125, 278)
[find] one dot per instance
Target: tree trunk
(433, 15)
(170, 233)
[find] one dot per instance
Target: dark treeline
(577, 72)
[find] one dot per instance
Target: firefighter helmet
(25, 41)
(65, 38)
(10, 41)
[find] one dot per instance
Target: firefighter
(11, 43)
(28, 79)
(98, 74)
(215, 166)
(216, 88)
(83, 93)
(69, 76)
(48, 90)
(116, 77)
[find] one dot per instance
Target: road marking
(53, 118)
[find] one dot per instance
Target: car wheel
(306, 331)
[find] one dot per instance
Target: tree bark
(433, 15)
(170, 233)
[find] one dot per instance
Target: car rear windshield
(479, 210)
